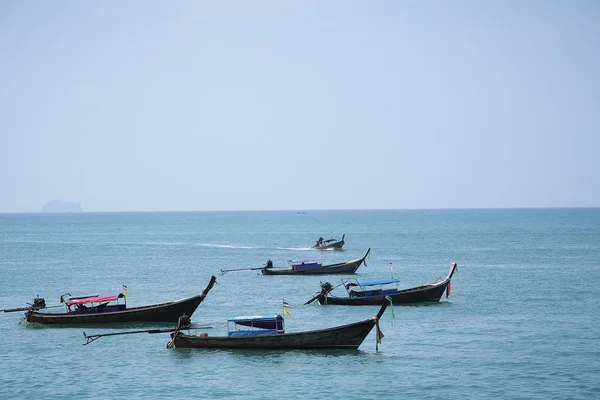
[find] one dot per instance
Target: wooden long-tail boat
(269, 333)
(367, 293)
(311, 266)
(330, 244)
(107, 309)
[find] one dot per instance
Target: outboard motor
(326, 288)
(38, 303)
(184, 322)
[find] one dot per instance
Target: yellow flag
(286, 312)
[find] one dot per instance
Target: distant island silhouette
(58, 206)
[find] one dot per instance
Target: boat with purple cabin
(314, 266)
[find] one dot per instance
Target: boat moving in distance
(107, 309)
(364, 293)
(330, 244)
(268, 332)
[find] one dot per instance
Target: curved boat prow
(453, 267)
(210, 285)
(365, 257)
(386, 301)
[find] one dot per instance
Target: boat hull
(333, 246)
(407, 296)
(421, 294)
(344, 337)
(164, 312)
(348, 337)
(348, 267)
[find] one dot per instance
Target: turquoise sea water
(521, 322)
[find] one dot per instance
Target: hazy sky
(246, 105)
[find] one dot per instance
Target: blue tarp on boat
(274, 322)
(307, 266)
(375, 282)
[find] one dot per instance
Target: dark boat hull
(343, 337)
(421, 294)
(348, 267)
(331, 246)
(348, 337)
(163, 312)
(406, 296)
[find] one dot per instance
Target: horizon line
(303, 210)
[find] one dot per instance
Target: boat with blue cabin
(372, 292)
(255, 325)
(268, 332)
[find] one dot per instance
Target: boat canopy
(274, 322)
(306, 260)
(93, 299)
(373, 283)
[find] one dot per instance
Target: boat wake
(228, 246)
(101, 243)
(295, 248)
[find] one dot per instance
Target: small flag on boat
(125, 291)
(380, 335)
(285, 308)
(392, 270)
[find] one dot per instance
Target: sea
(521, 322)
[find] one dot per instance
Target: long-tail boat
(102, 309)
(311, 266)
(364, 293)
(308, 266)
(330, 244)
(269, 333)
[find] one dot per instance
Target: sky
(276, 105)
